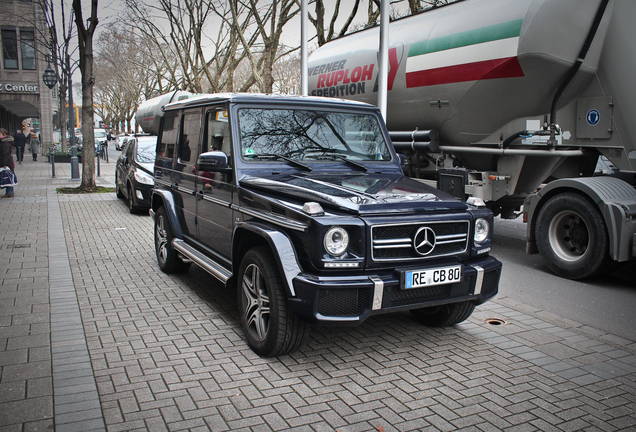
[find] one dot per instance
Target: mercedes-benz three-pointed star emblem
(424, 241)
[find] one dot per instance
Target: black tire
(167, 258)
(445, 315)
(132, 208)
(572, 237)
(117, 188)
(270, 327)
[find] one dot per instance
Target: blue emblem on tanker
(593, 117)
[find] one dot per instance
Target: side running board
(212, 267)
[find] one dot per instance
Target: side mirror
(212, 161)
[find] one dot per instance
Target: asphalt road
(605, 302)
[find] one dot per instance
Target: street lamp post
(50, 79)
(71, 120)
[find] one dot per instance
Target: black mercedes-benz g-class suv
(301, 204)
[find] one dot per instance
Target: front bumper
(145, 191)
(352, 299)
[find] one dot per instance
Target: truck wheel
(167, 258)
(271, 328)
(572, 237)
(444, 315)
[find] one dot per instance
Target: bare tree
(58, 46)
(270, 19)
(224, 65)
(85, 39)
(123, 76)
(176, 29)
(194, 44)
(325, 35)
(285, 74)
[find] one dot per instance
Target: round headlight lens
(336, 241)
(482, 228)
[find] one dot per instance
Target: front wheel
(445, 315)
(167, 258)
(270, 327)
(572, 237)
(132, 208)
(117, 187)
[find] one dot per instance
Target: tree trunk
(63, 116)
(88, 114)
(268, 80)
(85, 38)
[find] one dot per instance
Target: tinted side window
(170, 131)
(189, 143)
(218, 134)
(129, 150)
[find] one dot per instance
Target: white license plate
(430, 277)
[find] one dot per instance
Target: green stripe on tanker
(471, 37)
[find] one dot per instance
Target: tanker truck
(150, 111)
(512, 103)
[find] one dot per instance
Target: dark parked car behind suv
(301, 204)
(134, 172)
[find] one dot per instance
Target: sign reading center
(18, 88)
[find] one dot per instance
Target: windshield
(146, 150)
(100, 134)
(311, 135)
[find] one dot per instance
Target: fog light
(139, 194)
(342, 265)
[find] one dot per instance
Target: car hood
(147, 166)
(358, 193)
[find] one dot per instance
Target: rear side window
(218, 133)
(169, 134)
(189, 143)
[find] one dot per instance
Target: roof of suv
(205, 99)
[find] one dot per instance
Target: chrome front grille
(397, 241)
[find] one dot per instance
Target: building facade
(23, 94)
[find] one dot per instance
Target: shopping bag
(7, 177)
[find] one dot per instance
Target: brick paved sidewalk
(94, 337)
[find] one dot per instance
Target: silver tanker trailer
(150, 112)
(513, 102)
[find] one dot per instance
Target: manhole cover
(494, 321)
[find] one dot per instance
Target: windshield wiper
(344, 158)
(283, 157)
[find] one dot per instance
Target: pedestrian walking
(6, 157)
(34, 144)
(19, 142)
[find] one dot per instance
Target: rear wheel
(167, 258)
(271, 328)
(444, 315)
(572, 237)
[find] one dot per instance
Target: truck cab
(301, 205)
